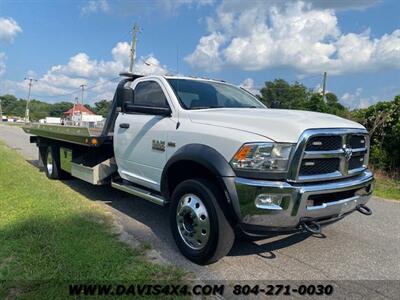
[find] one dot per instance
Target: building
(80, 115)
(77, 109)
(50, 120)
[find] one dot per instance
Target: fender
(212, 160)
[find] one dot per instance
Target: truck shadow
(149, 222)
(265, 246)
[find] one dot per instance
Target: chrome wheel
(193, 221)
(49, 163)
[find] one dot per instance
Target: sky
(64, 44)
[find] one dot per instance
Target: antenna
(30, 79)
(135, 30)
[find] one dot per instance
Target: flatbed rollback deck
(85, 153)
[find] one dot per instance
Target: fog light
(267, 201)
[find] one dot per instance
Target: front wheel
(200, 228)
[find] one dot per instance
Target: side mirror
(148, 110)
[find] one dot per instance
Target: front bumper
(300, 202)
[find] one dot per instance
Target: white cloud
(141, 7)
(174, 4)
(150, 65)
(94, 6)
(121, 52)
(207, 55)
(345, 5)
(2, 63)
(31, 73)
(171, 6)
(9, 29)
(357, 100)
(58, 82)
(261, 35)
(248, 84)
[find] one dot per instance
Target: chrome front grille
(324, 143)
(328, 154)
(356, 162)
(318, 166)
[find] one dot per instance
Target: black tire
(51, 162)
(221, 235)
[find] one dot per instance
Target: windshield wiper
(206, 107)
(216, 106)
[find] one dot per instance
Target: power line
(59, 95)
(77, 90)
(102, 83)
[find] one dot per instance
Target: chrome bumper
(295, 205)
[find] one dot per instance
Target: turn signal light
(243, 152)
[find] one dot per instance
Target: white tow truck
(219, 159)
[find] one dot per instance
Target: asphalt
(357, 248)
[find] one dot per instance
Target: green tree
(88, 107)
(316, 103)
(17, 108)
(102, 107)
(298, 96)
(383, 123)
(287, 96)
(334, 107)
(38, 110)
(7, 103)
(58, 109)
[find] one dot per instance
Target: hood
(280, 125)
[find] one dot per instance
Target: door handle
(124, 125)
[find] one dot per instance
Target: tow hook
(364, 209)
(311, 227)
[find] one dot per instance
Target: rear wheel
(51, 162)
(200, 228)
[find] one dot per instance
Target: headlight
(271, 157)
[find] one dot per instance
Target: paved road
(358, 247)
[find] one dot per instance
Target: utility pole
(82, 86)
(135, 30)
(324, 87)
(30, 79)
(1, 113)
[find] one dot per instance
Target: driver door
(140, 140)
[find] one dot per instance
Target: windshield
(197, 94)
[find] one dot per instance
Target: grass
(12, 124)
(51, 236)
(387, 188)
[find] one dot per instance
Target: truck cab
(224, 163)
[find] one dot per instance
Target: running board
(141, 193)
